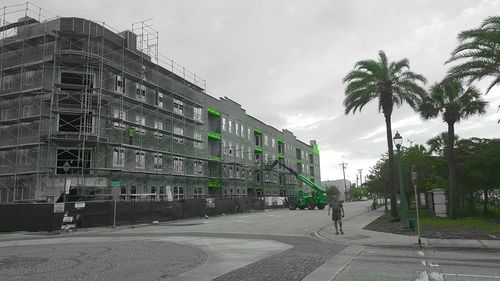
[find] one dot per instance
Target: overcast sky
(284, 61)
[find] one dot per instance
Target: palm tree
(479, 52)
(437, 145)
(391, 84)
(454, 103)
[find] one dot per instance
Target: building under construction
(85, 109)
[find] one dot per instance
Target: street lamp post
(414, 181)
(403, 205)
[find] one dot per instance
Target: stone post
(439, 199)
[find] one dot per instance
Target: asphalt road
(270, 245)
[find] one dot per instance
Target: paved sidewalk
(355, 234)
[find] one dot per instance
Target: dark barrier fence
(45, 217)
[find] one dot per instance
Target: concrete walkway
(355, 234)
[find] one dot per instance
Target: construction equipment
(304, 198)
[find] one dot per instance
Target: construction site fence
(49, 217)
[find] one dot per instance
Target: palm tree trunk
(452, 192)
(392, 173)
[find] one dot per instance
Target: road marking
(433, 265)
(472, 275)
(423, 262)
(420, 253)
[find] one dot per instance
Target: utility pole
(360, 177)
(344, 165)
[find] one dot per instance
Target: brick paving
(304, 257)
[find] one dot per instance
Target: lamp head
(398, 140)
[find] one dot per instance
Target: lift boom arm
(302, 178)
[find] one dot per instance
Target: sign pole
(114, 214)
(414, 181)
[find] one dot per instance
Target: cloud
(284, 60)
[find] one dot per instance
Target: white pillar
(439, 202)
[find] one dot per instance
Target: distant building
(339, 184)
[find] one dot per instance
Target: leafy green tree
(454, 103)
(390, 84)
(477, 168)
(332, 191)
(478, 52)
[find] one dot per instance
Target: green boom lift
(304, 198)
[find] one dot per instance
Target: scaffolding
(88, 108)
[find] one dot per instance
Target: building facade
(88, 109)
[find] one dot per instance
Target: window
(280, 148)
(273, 143)
(159, 99)
(230, 126)
(198, 167)
(140, 92)
(5, 114)
(197, 114)
(249, 173)
(140, 159)
(198, 192)
(249, 153)
(223, 123)
(158, 161)
(257, 158)
(159, 127)
(140, 120)
(266, 140)
(178, 165)
(178, 107)
(178, 192)
(198, 144)
(242, 131)
(230, 148)
(237, 150)
(237, 128)
(119, 114)
(119, 84)
(224, 148)
(248, 133)
(23, 156)
(178, 131)
(242, 154)
(118, 157)
(179, 140)
(257, 140)
(8, 82)
(28, 78)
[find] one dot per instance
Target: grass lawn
(432, 227)
(472, 223)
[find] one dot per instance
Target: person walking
(337, 209)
